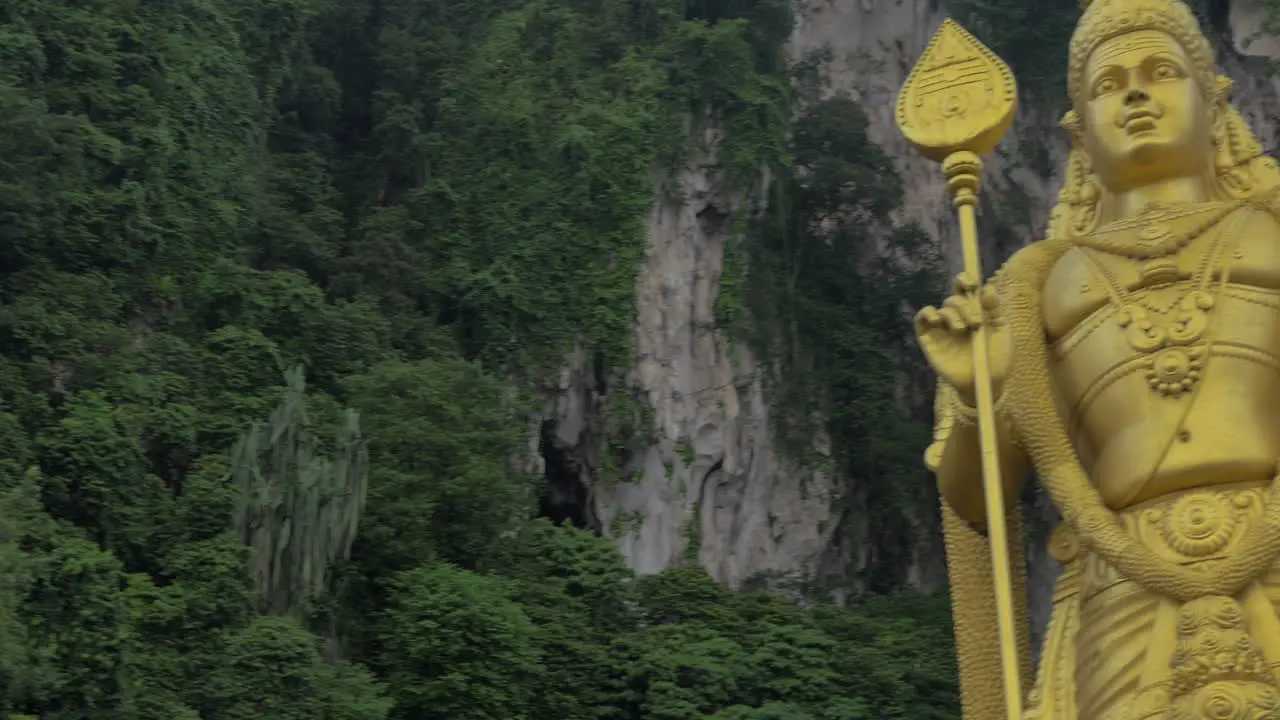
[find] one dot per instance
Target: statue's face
(1146, 119)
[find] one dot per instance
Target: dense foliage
(830, 285)
(420, 203)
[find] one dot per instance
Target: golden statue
(1132, 361)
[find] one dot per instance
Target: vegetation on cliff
(410, 209)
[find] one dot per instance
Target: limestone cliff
(710, 484)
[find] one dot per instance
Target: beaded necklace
(1156, 239)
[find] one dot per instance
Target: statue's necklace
(1172, 337)
(1156, 238)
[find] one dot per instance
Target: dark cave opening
(564, 496)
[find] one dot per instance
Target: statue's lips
(1139, 122)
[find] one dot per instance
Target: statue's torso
(1152, 417)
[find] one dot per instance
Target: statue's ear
(1223, 86)
(1220, 103)
(1072, 123)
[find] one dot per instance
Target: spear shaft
(963, 172)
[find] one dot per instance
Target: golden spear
(955, 106)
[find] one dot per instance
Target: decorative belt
(1200, 525)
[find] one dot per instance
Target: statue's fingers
(990, 303)
(990, 299)
(966, 308)
(928, 319)
(954, 319)
(965, 284)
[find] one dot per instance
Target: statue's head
(1147, 106)
(1144, 92)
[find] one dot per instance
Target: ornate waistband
(1197, 525)
(1200, 525)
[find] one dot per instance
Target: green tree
(273, 668)
(19, 511)
(683, 594)
(577, 591)
(457, 646)
(685, 671)
(444, 480)
(80, 631)
(772, 711)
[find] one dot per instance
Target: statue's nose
(1136, 96)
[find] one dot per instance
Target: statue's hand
(946, 337)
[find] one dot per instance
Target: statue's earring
(1222, 87)
(1080, 188)
(1223, 158)
(1232, 156)
(1230, 179)
(1072, 124)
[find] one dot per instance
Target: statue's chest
(1087, 280)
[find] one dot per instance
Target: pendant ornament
(1170, 335)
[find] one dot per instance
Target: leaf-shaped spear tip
(960, 97)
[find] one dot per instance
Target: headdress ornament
(1105, 19)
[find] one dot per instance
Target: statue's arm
(956, 457)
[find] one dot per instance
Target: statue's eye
(1105, 85)
(1165, 71)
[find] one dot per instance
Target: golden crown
(1105, 19)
